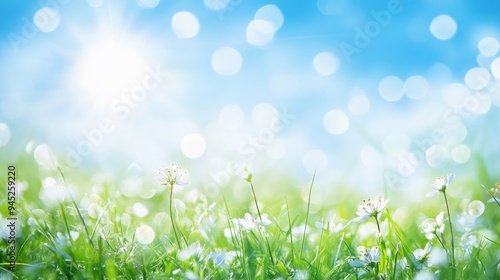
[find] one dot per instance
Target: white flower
(330, 226)
(223, 259)
(371, 208)
(422, 255)
(171, 176)
(441, 184)
(367, 257)
(248, 222)
(431, 227)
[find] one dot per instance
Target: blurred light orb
(359, 105)
(488, 46)
(4, 134)
(185, 25)
(255, 34)
(455, 94)
(148, 4)
(437, 156)
(216, 4)
(416, 87)
(226, 61)
(46, 19)
(95, 3)
(269, 19)
(443, 27)
(140, 210)
(477, 78)
(495, 67)
(44, 157)
(326, 63)
(144, 234)
(331, 7)
(193, 145)
(314, 161)
(476, 208)
(231, 116)
(391, 88)
(460, 154)
(484, 61)
(336, 122)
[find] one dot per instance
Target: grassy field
(69, 227)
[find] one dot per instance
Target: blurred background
(367, 94)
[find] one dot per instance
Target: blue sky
(204, 78)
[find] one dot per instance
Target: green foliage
(93, 234)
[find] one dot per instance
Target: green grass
(92, 233)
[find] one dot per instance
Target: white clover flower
(441, 184)
(371, 208)
(367, 257)
(431, 227)
(248, 222)
(422, 255)
(144, 234)
(171, 176)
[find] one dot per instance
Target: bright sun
(108, 69)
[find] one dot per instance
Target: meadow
(74, 226)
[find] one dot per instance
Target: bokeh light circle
(443, 27)
(495, 67)
(476, 208)
(271, 18)
(416, 87)
(144, 234)
(185, 25)
(148, 4)
(336, 122)
(391, 88)
(331, 7)
(460, 154)
(359, 105)
(226, 61)
(4, 134)
(326, 63)
(256, 36)
(193, 145)
(488, 46)
(477, 78)
(437, 156)
(216, 4)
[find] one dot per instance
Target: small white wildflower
(441, 184)
(367, 257)
(192, 250)
(144, 234)
(422, 255)
(223, 259)
(171, 176)
(248, 222)
(371, 208)
(431, 227)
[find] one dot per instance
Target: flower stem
(451, 232)
(172, 216)
(260, 218)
